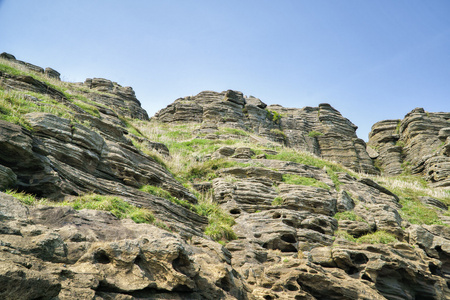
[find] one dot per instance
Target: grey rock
(7, 178)
(52, 73)
(434, 202)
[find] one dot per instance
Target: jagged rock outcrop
(419, 144)
(320, 130)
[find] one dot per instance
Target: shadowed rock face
(320, 130)
(419, 143)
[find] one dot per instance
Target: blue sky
(371, 60)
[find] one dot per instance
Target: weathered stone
(7, 178)
(7, 56)
(433, 202)
(414, 144)
(52, 73)
(344, 202)
(243, 152)
(222, 152)
(355, 228)
(250, 100)
(10, 208)
(308, 198)
(290, 126)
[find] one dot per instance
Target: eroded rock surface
(321, 130)
(59, 253)
(419, 144)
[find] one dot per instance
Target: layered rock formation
(320, 130)
(59, 253)
(418, 144)
(311, 230)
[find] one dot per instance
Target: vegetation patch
(314, 133)
(349, 215)
(409, 188)
(14, 105)
(118, 207)
(277, 201)
(278, 132)
(300, 180)
(219, 222)
(274, 116)
(307, 158)
(378, 237)
(234, 131)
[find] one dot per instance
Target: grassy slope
(190, 162)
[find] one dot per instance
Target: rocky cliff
(320, 130)
(418, 144)
(218, 196)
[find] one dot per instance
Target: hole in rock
(352, 270)
(268, 297)
(288, 248)
(267, 285)
(434, 269)
(359, 258)
(224, 283)
(181, 263)
(315, 228)
(292, 287)
(288, 223)
(101, 257)
(366, 277)
(276, 216)
(289, 238)
(235, 211)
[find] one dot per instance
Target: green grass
(308, 159)
(348, 215)
(274, 116)
(277, 201)
(234, 131)
(314, 133)
(300, 180)
(207, 170)
(409, 188)
(118, 207)
(278, 132)
(219, 222)
(416, 212)
(14, 105)
(378, 237)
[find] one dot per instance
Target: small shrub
(400, 144)
(274, 116)
(314, 133)
(277, 201)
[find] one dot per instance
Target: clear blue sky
(371, 60)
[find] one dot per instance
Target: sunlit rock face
(418, 144)
(320, 130)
